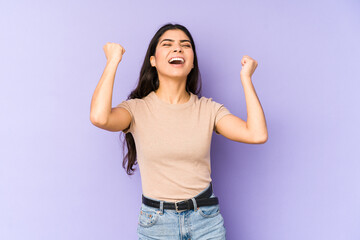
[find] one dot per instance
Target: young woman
(168, 130)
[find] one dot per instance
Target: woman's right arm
(101, 113)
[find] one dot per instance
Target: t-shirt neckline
(174, 106)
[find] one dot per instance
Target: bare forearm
(255, 115)
(102, 98)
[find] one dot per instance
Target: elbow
(261, 139)
(265, 139)
(97, 121)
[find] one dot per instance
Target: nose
(177, 48)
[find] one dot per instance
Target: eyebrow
(171, 40)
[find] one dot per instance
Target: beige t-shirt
(173, 144)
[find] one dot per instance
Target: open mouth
(177, 61)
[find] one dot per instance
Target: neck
(172, 91)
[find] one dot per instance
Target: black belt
(201, 200)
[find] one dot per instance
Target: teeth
(173, 59)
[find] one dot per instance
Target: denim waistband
(161, 207)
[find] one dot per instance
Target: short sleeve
(129, 105)
(220, 111)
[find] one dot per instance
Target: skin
(254, 130)
(173, 82)
(172, 90)
(173, 79)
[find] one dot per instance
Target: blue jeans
(206, 222)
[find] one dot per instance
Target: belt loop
(195, 205)
(162, 207)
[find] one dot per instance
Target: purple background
(61, 177)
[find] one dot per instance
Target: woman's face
(173, 43)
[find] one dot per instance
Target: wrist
(114, 60)
(245, 78)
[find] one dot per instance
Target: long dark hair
(149, 81)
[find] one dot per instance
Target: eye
(166, 44)
(187, 46)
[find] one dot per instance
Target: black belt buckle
(176, 207)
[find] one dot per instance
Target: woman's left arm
(254, 130)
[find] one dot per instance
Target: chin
(177, 75)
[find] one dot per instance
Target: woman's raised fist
(113, 51)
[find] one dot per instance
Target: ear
(152, 61)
